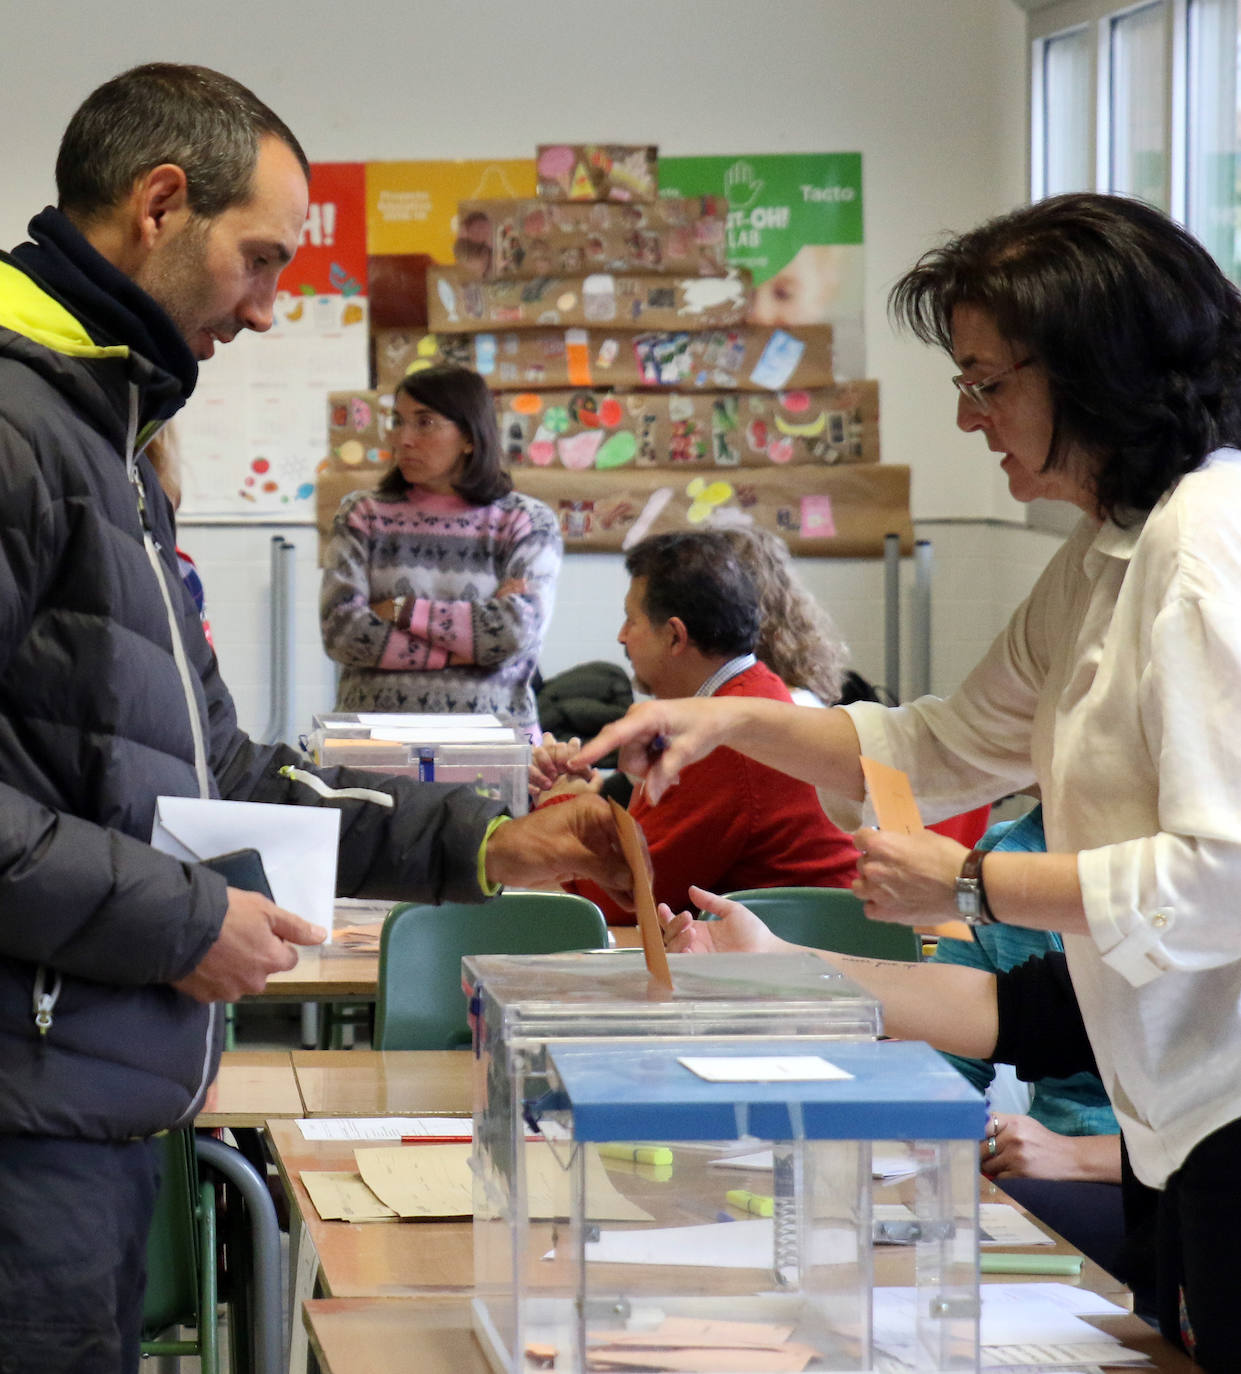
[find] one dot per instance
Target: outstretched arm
(1024, 1148)
(658, 738)
(949, 1006)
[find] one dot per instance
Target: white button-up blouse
(1114, 687)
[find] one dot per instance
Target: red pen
(446, 1139)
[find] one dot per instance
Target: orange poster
(411, 207)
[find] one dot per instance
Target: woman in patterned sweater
(438, 585)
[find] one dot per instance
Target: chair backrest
(829, 918)
(420, 1004)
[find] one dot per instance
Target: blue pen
(725, 1216)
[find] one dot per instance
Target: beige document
(343, 1197)
(436, 1181)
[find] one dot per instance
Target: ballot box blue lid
(895, 1090)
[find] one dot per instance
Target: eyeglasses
(424, 421)
(976, 393)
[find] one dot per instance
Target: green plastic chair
(829, 918)
(181, 1259)
(420, 1003)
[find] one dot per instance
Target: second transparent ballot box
(713, 1204)
(477, 750)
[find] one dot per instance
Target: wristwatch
(972, 904)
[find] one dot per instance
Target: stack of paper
(690, 1344)
(435, 1181)
(1024, 1326)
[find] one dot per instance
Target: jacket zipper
(45, 1002)
(191, 703)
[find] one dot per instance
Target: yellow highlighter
(754, 1203)
(637, 1154)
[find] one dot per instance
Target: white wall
(932, 94)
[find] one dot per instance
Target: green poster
(795, 220)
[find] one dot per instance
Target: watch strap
(971, 870)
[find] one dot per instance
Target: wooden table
(389, 1259)
(373, 1259)
(377, 1336)
(383, 1083)
(391, 1287)
(331, 975)
(252, 1087)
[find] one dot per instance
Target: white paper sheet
(757, 1068)
(385, 1127)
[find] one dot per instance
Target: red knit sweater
(731, 823)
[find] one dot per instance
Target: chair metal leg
(209, 1303)
(237, 1171)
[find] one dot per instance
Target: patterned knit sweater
(465, 649)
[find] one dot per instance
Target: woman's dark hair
(697, 577)
(461, 396)
(1138, 330)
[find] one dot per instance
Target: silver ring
(991, 1145)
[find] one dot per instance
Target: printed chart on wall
(251, 436)
(795, 220)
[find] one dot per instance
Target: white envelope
(298, 845)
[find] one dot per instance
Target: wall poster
(251, 437)
(795, 220)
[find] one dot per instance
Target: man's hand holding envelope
(258, 936)
(297, 849)
(256, 939)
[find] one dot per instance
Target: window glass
(1138, 104)
(1213, 191)
(1068, 163)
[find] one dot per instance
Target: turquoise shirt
(1068, 1106)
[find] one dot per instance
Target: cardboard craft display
(603, 430)
(597, 171)
(460, 303)
(358, 424)
(838, 512)
(745, 358)
(538, 238)
(331, 488)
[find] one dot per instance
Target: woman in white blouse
(1098, 349)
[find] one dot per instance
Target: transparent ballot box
(712, 1205)
(521, 1005)
(473, 749)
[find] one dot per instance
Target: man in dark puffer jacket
(181, 198)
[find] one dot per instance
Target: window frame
(1052, 19)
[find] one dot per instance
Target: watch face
(969, 900)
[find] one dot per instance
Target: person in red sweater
(691, 624)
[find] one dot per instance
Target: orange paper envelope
(896, 809)
(644, 899)
(892, 797)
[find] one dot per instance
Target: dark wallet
(242, 868)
